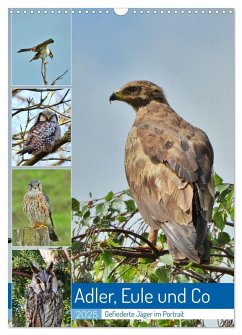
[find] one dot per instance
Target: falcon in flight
(169, 168)
(42, 50)
(36, 205)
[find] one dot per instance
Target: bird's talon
(40, 226)
(146, 247)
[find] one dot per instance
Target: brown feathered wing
(42, 45)
(169, 169)
(38, 47)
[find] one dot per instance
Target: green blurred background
(57, 185)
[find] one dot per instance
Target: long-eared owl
(44, 305)
(43, 135)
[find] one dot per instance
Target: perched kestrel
(36, 206)
(169, 168)
(43, 135)
(42, 50)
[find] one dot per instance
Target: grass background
(57, 185)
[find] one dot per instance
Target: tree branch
(122, 231)
(61, 141)
(22, 274)
(15, 91)
(222, 255)
(58, 78)
(43, 71)
(214, 268)
(40, 105)
(130, 252)
(122, 252)
(192, 274)
(57, 159)
(230, 224)
(28, 108)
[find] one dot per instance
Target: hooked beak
(113, 97)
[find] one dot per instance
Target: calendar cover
(121, 125)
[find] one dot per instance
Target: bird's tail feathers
(25, 150)
(201, 229)
(181, 240)
(52, 235)
(24, 50)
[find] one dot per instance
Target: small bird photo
(41, 56)
(42, 50)
(41, 127)
(41, 288)
(41, 207)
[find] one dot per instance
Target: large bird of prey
(169, 168)
(42, 50)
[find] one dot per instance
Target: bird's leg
(152, 237)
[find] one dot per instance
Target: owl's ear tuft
(34, 268)
(54, 283)
(50, 267)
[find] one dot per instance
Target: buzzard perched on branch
(169, 168)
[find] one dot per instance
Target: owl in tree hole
(43, 135)
(44, 305)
